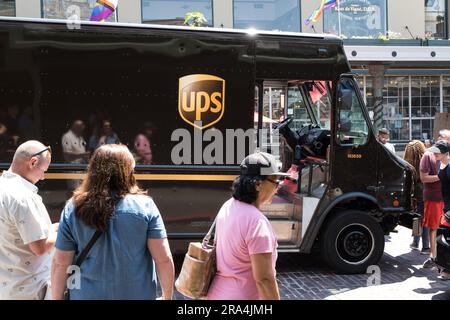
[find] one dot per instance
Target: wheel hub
(355, 243)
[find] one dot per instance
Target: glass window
(283, 15)
(274, 102)
(321, 102)
(352, 128)
(422, 129)
(446, 93)
(273, 105)
(63, 9)
(356, 18)
(172, 12)
(435, 19)
(296, 108)
(396, 97)
(425, 102)
(425, 96)
(7, 8)
(396, 107)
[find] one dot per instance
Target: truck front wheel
(351, 241)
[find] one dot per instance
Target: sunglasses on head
(49, 149)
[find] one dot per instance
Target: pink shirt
(242, 230)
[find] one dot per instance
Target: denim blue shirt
(119, 265)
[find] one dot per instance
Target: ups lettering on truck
(201, 99)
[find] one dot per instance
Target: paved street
(402, 276)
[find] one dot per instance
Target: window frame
(150, 22)
(369, 37)
(299, 5)
(446, 32)
(15, 10)
(115, 13)
(364, 113)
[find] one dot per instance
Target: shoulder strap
(88, 247)
(208, 235)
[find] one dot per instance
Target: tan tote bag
(199, 268)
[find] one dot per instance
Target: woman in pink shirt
(246, 245)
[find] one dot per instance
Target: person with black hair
(246, 246)
(444, 177)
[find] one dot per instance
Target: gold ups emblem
(201, 98)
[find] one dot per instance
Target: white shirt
(390, 147)
(23, 219)
(73, 144)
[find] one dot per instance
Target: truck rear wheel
(351, 241)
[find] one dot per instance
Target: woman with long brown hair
(414, 152)
(132, 237)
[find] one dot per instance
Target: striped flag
(103, 9)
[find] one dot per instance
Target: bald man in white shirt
(27, 236)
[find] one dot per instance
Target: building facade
(399, 48)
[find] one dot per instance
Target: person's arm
(61, 261)
(427, 178)
(40, 247)
(425, 168)
(160, 251)
(264, 276)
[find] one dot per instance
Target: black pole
(409, 31)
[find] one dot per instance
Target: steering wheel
(304, 130)
(281, 125)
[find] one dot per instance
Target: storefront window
(425, 96)
(396, 107)
(446, 93)
(283, 15)
(425, 102)
(435, 19)
(356, 18)
(410, 104)
(174, 12)
(7, 8)
(64, 9)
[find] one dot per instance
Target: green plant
(388, 36)
(195, 19)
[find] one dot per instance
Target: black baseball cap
(440, 147)
(261, 164)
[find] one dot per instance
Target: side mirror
(345, 99)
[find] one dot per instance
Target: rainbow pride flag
(325, 4)
(103, 9)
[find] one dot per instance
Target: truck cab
(348, 190)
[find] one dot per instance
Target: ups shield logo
(201, 98)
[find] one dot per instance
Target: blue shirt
(119, 265)
(94, 141)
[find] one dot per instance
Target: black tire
(351, 241)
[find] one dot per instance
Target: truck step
(287, 230)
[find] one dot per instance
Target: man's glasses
(49, 149)
(275, 182)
